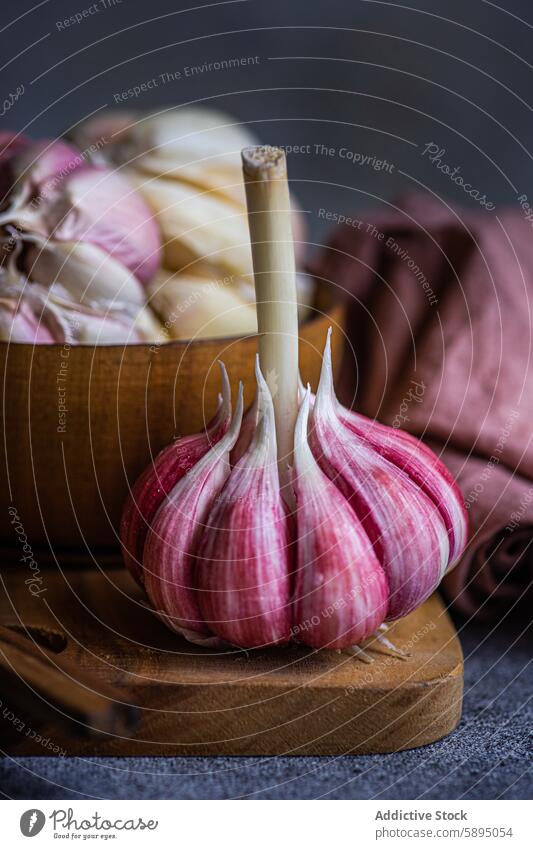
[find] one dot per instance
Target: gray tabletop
(487, 757)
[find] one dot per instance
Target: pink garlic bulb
(304, 522)
(59, 204)
(376, 522)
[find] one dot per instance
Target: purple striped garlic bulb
(303, 522)
(376, 522)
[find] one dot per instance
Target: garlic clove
(243, 555)
(99, 206)
(218, 179)
(418, 461)
(187, 132)
(37, 169)
(196, 226)
(86, 271)
(149, 328)
(157, 480)
(403, 524)
(424, 468)
(75, 323)
(192, 307)
(341, 592)
(169, 571)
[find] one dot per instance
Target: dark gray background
(455, 73)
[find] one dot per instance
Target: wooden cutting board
(193, 701)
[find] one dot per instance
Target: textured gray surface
(487, 757)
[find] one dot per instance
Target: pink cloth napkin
(440, 342)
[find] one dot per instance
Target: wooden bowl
(80, 423)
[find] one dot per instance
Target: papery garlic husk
(341, 592)
(85, 271)
(86, 324)
(56, 195)
(193, 307)
(37, 314)
(101, 207)
(157, 480)
(243, 556)
(168, 563)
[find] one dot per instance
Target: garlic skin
(168, 564)
(243, 556)
(423, 467)
(56, 195)
(81, 245)
(185, 161)
(85, 271)
(196, 226)
(157, 480)
(35, 314)
(404, 526)
(341, 592)
(194, 307)
(99, 206)
(375, 524)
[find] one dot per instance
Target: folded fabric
(440, 342)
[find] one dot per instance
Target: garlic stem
(269, 220)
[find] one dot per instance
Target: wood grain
(68, 477)
(290, 701)
(37, 679)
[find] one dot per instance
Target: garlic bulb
(86, 226)
(194, 307)
(191, 144)
(304, 522)
(186, 163)
(36, 314)
(223, 558)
